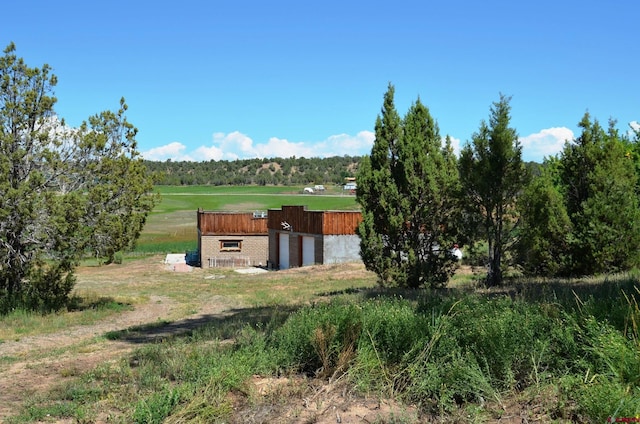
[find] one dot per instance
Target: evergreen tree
(406, 189)
(117, 188)
(543, 243)
(492, 175)
(62, 191)
(599, 178)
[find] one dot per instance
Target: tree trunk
(494, 274)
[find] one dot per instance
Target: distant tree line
(268, 171)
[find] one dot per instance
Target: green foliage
(492, 175)
(407, 193)
(606, 382)
(441, 351)
(599, 180)
(63, 191)
(256, 172)
(40, 412)
(118, 258)
(543, 240)
(312, 339)
(155, 408)
(581, 216)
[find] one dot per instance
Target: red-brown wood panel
(222, 223)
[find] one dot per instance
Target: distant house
(299, 237)
(232, 238)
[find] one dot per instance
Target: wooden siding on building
(340, 222)
(301, 220)
(230, 223)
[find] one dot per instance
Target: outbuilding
(299, 237)
(229, 239)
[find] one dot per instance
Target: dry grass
(40, 351)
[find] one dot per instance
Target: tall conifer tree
(407, 192)
(599, 179)
(492, 175)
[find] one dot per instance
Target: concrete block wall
(343, 248)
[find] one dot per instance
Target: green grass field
(171, 226)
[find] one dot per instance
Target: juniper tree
(406, 189)
(542, 248)
(599, 180)
(492, 175)
(62, 190)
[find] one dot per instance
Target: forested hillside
(273, 171)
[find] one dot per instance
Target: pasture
(171, 226)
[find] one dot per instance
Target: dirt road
(35, 366)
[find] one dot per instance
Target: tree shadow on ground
(78, 303)
(611, 297)
(225, 325)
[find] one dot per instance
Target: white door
(284, 251)
(308, 251)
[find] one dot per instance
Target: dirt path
(35, 366)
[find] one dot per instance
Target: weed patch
(549, 350)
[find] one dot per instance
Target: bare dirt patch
(301, 400)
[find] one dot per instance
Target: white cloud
(173, 151)
(548, 142)
(455, 144)
(236, 145)
(204, 153)
(278, 147)
(345, 144)
(233, 145)
(335, 145)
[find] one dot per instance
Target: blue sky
(225, 80)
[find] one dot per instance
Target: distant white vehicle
(308, 190)
(350, 186)
(319, 187)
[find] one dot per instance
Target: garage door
(308, 251)
(284, 251)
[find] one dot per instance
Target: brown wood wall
(230, 223)
(341, 223)
(314, 222)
